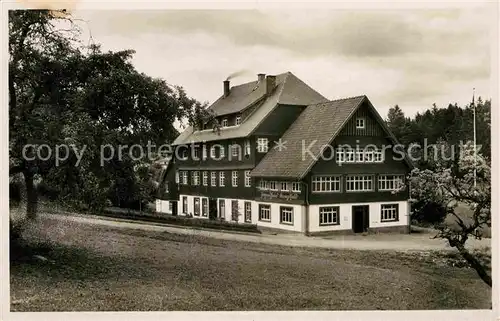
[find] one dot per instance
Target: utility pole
(474, 129)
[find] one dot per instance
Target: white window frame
(265, 212)
(329, 215)
(389, 182)
(248, 179)
(296, 187)
(195, 207)
(224, 122)
(238, 120)
(389, 212)
(212, 152)
(273, 186)
(222, 152)
(361, 181)
(248, 147)
(184, 208)
(222, 178)
(213, 178)
(184, 177)
(177, 177)
(326, 184)
(234, 149)
(204, 207)
(262, 185)
(196, 153)
(285, 185)
(196, 178)
(359, 156)
(248, 212)
(204, 152)
(234, 178)
(205, 178)
(360, 123)
(286, 215)
(262, 145)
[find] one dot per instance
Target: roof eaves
(335, 133)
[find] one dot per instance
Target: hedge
(179, 220)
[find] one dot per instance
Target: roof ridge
(340, 99)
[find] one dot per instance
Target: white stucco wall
(162, 206)
(346, 216)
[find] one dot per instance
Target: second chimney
(226, 88)
(270, 84)
(261, 77)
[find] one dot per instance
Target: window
(235, 210)
(184, 175)
(284, 186)
(212, 152)
(196, 178)
(196, 153)
(204, 207)
(247, 148)
(177, 177)
(204, 152)
(360, 155)
(213, 178)
(205, 178)
(389, 212)
(389, 182)
(359, 183)
(222, 209)
(238, 120)
(170, 206)
(184, 154)
(265, 213)
(222, 177)
(234, 178)
(296, 187)
(222, 152)
(262, 184)
(248, 212)
(273, 186)
(235, 150)
(360, 123)
(329, 215)
(196, 203)
(224, 122)
(248, 179)
(184, 204)
(286, 215)
(262, 145)
(326, 184)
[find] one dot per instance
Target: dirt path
(397, 242)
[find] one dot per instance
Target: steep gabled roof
(289, 90)
(317, 125)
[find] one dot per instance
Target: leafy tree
(451, 185)
(61, 93)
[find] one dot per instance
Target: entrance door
(360, 215)
(222, 209)
(212, 208)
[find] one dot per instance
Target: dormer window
(360, 123)
(238, 120)
(224, 122)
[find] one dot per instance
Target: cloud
(412, 57)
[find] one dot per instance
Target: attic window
(360, 123)
(238, 120)
(224, 122)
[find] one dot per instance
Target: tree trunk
(32, 196)
(474, 263)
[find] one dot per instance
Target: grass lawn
(92, 267)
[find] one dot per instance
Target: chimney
(261, 77)
(226, 88)
(270, 84)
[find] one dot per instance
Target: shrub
(428, 212)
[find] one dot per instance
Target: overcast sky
(412, 58)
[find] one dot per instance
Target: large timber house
(281, 161)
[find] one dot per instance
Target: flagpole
(474, 129)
